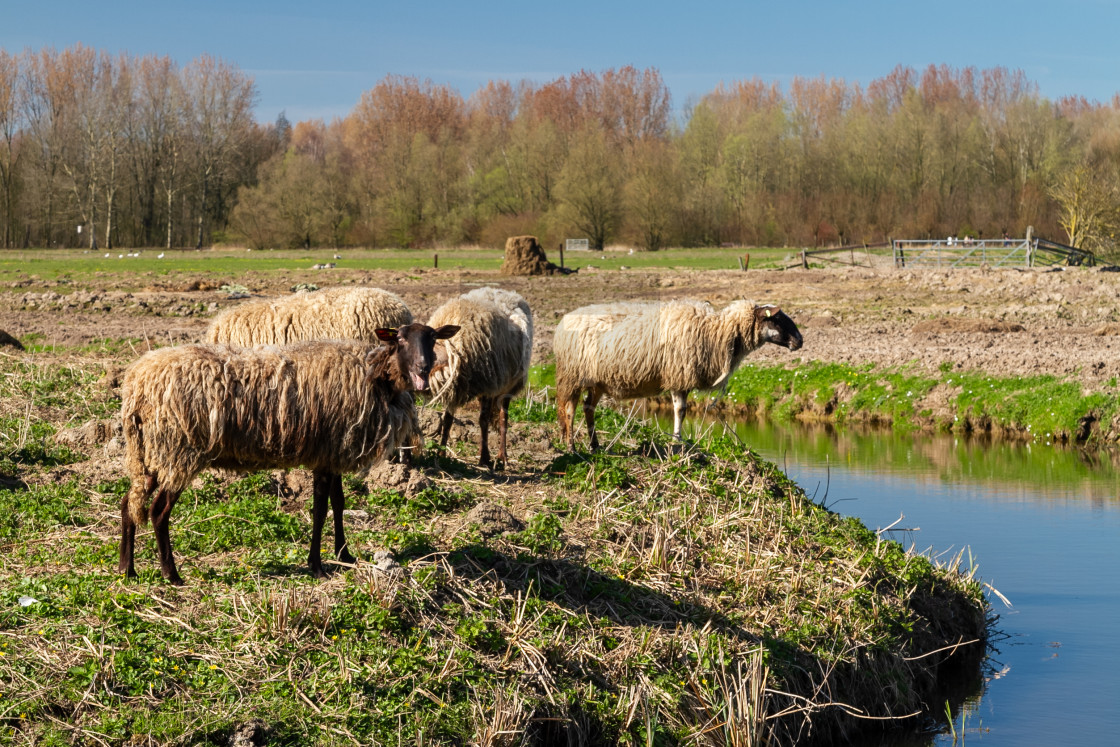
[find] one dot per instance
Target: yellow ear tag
(768, 312)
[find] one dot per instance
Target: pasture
(639, 594)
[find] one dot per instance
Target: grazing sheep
(333, 314)
(632, 350)
(331, 407)
(488, 359)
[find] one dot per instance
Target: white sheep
(331, 407)
(638, 349)
(331, 314)
(488, 359)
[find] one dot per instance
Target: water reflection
(1010, 470)
(1039, 523)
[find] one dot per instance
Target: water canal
(1042, 526)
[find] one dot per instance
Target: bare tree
(220, 101)
(1089, 201)
(12, 94)
(590, 187)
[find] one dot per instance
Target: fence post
(561, 255)
(804, 260)
(746, 261)
(435, 261)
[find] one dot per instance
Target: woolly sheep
(637, 349)
(488, 359)
(331, 407)
(332, 314)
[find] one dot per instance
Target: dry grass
(651, 597)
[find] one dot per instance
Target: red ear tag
(386, 335)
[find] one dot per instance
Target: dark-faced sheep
(488, 359)
(630, 350)
(332, 314)
(332, 407)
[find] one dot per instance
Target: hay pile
(524, 256)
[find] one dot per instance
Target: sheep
(332, 314)
(488, 359)
(331, 407)
(637, 349)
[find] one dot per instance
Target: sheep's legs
(445, 427)
(322, 487)
(566, 411)
(680, 407)
(338, 508)
(128, 541)
(128, 526)
(161, 517)
(486, 409)
(589, 404)
(503, 427)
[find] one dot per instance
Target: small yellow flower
(334, 638)
(213, 666)
(41, 632)
(158, 672)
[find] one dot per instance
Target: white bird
(106, 254)
(160, 256)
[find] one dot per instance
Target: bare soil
(1006, 322)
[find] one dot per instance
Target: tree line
(141, 152)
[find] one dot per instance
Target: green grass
(1044, 408)
(657, 585)
(73, 266)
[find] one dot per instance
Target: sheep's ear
(447, 330)
(388, 336)
(441, 357)
(767, 312)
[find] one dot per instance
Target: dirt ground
(1006, 322)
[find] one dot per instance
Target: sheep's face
(774, 326)
(414, 349)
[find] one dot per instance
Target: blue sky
(313, 59)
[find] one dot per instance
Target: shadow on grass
(585, 591)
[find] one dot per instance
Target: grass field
(81, 265)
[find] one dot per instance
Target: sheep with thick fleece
(488, 359)
(332, 407)
(640, 349)
(331, 314)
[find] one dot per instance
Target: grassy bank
(1041, 408)
(636, 596)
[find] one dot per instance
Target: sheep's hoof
(319, 573)
(347, 558)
